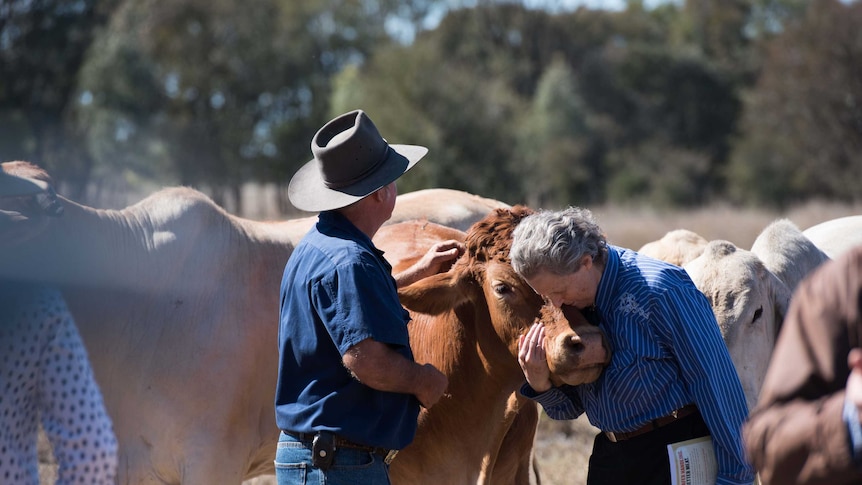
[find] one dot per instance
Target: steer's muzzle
(577, 357)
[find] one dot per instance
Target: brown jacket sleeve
(796, 433)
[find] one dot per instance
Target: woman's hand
(531, 356)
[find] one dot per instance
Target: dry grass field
(563, 448)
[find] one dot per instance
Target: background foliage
(749, 102)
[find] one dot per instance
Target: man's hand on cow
(853, 392)
(432, 386)
(531, 356)
(438, 259)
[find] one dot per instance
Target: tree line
(752, 102)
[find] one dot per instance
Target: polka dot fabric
(45, 374)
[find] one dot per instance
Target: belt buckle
(390, 456)
(611, 436)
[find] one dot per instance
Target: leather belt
(387, 454)
(680, 413)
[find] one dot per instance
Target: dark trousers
(641, 460)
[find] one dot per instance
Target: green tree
(657, 173)
(577, 99)
(216, 93)
(727, 31)
(801, 134)
(651, 98)
(114, 113)
(553, 143)
(457, 94)
(42, 47)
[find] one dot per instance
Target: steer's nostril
(574, 343)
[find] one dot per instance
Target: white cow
(836, 236)
(748, 296)
(676, 247)
(787, 252)
(749, 303)
(177, 302)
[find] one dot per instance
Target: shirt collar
(609, 275)
(334, 220)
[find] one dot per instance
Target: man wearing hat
(46, 374)
(349, 391)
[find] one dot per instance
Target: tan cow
(676, 247)
(447, 207)
(467, 322)
(836, 236)
(176, 300)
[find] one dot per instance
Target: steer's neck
(478, 393)
(83, 247)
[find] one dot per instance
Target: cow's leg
(514, 462)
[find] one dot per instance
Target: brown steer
(467, 322)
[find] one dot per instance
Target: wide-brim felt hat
(351, 160)
(14, 186)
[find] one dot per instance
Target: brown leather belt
(387, 454)
(680, 413)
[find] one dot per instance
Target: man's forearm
(378, 366)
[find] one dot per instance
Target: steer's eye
(757, 314)
(502, 289)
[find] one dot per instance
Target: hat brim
(14, 186)
(308, 192)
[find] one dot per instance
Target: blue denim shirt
(337, 290)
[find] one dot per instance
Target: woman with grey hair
(670, 378)
(541, 244)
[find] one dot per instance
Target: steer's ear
(780, 296)
(435, 294)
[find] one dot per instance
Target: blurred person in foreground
(670, 378)
(45, 374)
(349, 391)
(806, 427)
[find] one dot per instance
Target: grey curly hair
(555, 241)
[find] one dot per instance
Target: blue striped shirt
(667, 352)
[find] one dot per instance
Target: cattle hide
(177, 302)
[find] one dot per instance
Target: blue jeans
(351, 466)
